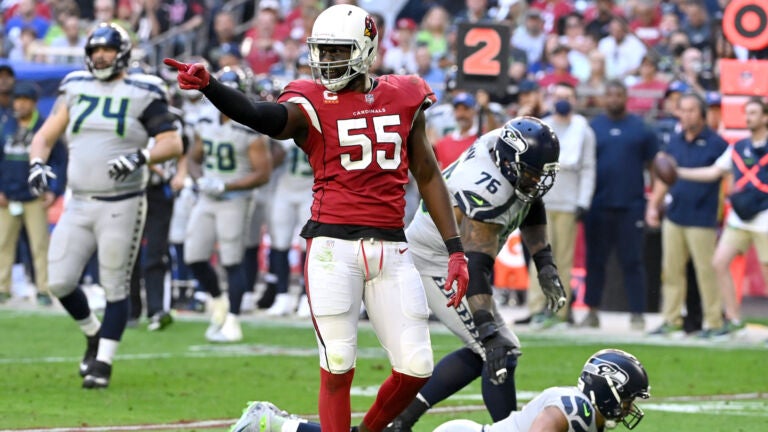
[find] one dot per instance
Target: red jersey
(356, 146)
(451, 146)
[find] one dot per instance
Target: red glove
(191, 76)
(459, 273)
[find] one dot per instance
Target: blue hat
(676, 87)
(714, 98)
(231, 49)
(26, 90)
(527, 86)
(465, 99)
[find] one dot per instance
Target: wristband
(454, 245)
(543, 257)
(36, 160)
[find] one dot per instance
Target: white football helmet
(343, 25)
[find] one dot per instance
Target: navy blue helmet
(113, 36)
(527, 153)
(612, 379)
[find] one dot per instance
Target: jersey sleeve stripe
(308, 109)
(147, 86)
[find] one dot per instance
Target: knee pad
(115, 294)
(420, 363)
(339, 357)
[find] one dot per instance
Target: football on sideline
(665, 167)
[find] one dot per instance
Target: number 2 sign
(483, 57)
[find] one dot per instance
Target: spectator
(747, 222)
(434, 31)
(466, 109)
(623, 50)
(592, 91)
(530, 100)
(21, 50)
(666, 123)
(646, 94)
(402, 58)
(63, 10)
(287, 69)
(559, 70)
(531, 36)
(26, 17)
(7, 81)
(282, 30)
(552, 11)
(224, 28)
(261, 48)
(426, 68)
(71, 39)
(714, 115)
(474, 11)
(696, 24)
(671, 50)
(646, 23)
(229, 55)
(19, 207)
(689, 227)
(574, 37)
(567, 201)
(599, 18)
(625, 147)
(694, 73)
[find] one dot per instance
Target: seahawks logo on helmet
(370, 28)
(515, 139)
(608, 370)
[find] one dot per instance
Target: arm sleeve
(537, 214)
(268, 118)
(157, 119)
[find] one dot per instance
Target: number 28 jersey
(108, 119)
(357, 148)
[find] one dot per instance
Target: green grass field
(175, 376)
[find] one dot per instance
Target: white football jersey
(480, 191)
(569, 400)
(106, 121)
(225, 149)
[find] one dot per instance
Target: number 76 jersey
(357, 147)
(108, 119)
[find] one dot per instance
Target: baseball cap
(527, 86)
(26, 90)
(676, 87)
(406, 24)
(7, 68)
(533, 13)
(714, 98)
(230, 49)
(269, 4)
(465, 99)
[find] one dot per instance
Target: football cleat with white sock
(230, 331)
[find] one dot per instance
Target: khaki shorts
(741, 239)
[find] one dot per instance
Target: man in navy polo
(625, 146)
(689, 228)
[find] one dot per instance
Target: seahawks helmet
(343, 25)
(113, 36)
(234, 77)
(527, 153)
(612, 379)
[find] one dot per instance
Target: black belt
(114, 198)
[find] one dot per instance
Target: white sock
(91, 325)
(291, 425)
(107, 350)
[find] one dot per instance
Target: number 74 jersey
(357, 147)
(108, 119)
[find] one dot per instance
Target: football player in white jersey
(604, 396)
(496, 187)
(108, 118)
(290, 207)
(235, 160)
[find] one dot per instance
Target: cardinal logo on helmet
(370, 28)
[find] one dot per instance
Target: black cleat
(98, 375)
(90, 353)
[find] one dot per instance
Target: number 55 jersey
(356, 145)
(108, 119)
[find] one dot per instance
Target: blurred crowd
(600, 71)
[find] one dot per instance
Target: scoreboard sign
(483, 57)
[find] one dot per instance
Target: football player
(108, 118)
(234, 161)
(362, 135)
(610, 382)
(496, 185)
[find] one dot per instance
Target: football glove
(121, 167)
(497, 349)
(210, 186)
(39, 176)
(457, 272)
(191, 76)
(552, 287)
